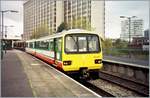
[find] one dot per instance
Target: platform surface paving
(24, 75)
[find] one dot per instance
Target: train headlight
(67, 62)
(98, 61)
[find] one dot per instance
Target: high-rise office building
(135, 27)
(39, 13)
(51, 13)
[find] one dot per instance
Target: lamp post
(5, 11)
(2, 12)
(129, 18)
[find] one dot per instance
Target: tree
(33, 34)
(120, 43)
(41, 30)
(61, 27)
(107, 44)
(81, 23)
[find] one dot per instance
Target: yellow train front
(72, 51)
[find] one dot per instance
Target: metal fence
(127, 52)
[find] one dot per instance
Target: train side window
(30, 45)
(27, 45)
(35, 44)
(44, 45)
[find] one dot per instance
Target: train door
(58, 51)
(55, 49)
(51, 48)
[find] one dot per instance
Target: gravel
(114, 89)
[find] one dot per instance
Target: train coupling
(84, 73)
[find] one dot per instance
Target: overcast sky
(113, 10)
(15, 19)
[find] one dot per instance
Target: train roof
(64, 32)
(79, 31)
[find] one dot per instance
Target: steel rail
(126, 83)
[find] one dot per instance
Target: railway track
(91, 86)
(139, 88)
(96, 89)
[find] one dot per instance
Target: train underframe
(85, 73)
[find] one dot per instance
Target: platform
(24, 75)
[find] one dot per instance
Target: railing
(127, 52)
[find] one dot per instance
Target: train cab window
(82, 41)
(93, 43)
(71, 44)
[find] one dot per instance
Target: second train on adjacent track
(71, 51)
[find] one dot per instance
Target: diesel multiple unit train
(71, 51)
